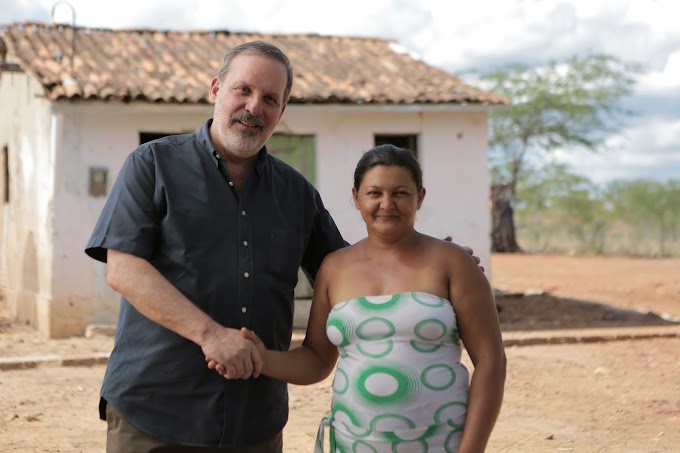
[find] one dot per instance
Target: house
(76, 101)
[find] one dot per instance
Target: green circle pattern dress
(399, 385)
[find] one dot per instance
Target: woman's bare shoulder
(340, 255)
(449, 255)
(449, 248)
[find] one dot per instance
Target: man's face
(249, 103)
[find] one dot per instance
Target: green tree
(562, 104)
(651, 208)
(557, 208)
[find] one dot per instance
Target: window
(149, 136)
(407, 141)
(298, 151)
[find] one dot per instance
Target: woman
(395, 307)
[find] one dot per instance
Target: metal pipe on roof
(73, 29)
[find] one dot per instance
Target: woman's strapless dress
(399, 384)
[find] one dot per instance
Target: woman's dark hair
(391, 156)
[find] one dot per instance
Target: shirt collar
(204, 138)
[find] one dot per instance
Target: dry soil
(616, 396)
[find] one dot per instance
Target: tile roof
(177, 66)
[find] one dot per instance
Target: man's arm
(157, 299)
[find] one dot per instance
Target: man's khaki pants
(123, 437)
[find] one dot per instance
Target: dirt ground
(619, 396)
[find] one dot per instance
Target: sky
(461, 37)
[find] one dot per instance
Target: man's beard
(244, 143)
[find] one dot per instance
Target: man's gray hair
(259, 48)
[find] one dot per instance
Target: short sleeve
(324, 239)
(129, 221)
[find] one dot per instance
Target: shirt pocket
(286, 248)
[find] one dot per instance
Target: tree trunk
(503, 220)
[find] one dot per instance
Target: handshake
(235, 354)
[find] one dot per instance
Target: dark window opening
(407, 141)
(149, 136)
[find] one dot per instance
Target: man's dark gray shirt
(236, 256)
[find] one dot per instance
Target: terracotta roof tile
(177, 66)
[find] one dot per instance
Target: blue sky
(460, 37)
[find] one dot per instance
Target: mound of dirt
(519, 311)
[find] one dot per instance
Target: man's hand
(238, 357)
(248, 335)
(469, 250)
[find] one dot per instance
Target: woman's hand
(248, 335)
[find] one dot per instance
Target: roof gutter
(395, 108)
(171, 107)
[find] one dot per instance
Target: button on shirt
(236, 256)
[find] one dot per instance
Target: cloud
(474, 36)
(653, 105)
(650, 149)
(665, 77)
(23, 10)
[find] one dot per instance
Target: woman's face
(388, 199)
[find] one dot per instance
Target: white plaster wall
(456, 175)
(26, 236)
(97, 135)
(452, 150)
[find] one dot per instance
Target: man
(203, 234)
